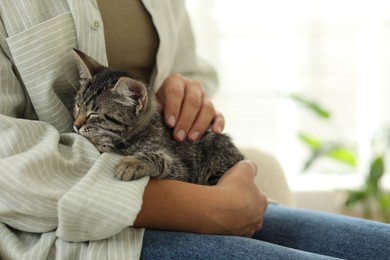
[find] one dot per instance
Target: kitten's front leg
(155, 164)
(131, 168)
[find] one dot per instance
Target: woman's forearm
(233, 206)
(175, 205)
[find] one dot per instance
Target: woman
(58, 196)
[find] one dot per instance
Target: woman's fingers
(187, 108)
(191, 107)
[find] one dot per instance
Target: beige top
(131, 38)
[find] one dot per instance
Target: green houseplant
(371, 197)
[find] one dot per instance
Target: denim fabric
(327, 234)
(286, 234)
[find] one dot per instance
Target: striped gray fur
(118, 113)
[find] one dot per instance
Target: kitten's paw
(131, 168)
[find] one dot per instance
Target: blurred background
(281, 64)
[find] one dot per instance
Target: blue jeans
(286, 234)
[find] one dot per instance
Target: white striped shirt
(58, 196)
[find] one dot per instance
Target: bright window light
(336, 52)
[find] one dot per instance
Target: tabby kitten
(118, 113)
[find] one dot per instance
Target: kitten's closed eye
(92, 115)
(113, 120)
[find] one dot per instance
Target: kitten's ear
(87, 66)
(134, 92)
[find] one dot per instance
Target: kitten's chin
(104, 148)
(102, 143)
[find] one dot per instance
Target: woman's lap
(283, 230)
(177, 245)
(327, 234)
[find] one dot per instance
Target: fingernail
(171, 121)
(181, 135)
(253, 166)
(218, 130)
(195, 136)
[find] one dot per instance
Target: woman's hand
(242, 204)
(234, 206)
(187, 108)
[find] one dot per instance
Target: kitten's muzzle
(78, 123)
(76, 128)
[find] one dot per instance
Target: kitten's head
(110, 105)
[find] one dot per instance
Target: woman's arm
(234, 206)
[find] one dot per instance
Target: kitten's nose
(78, 123)
(76, 128)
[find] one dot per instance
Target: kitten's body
(119, 114)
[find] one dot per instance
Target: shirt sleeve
(187, 61)
(12, 99)
(177, 48)
(56, 181)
